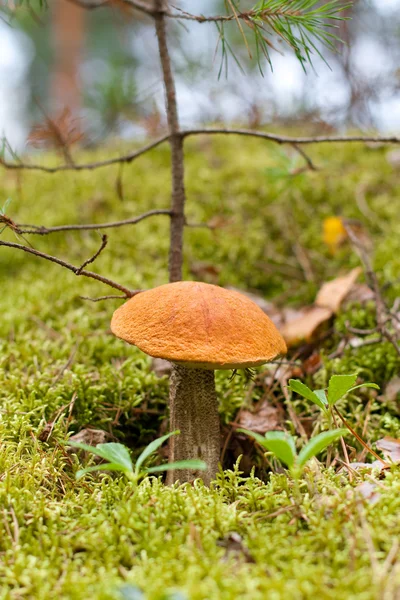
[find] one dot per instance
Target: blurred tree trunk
(68, 33)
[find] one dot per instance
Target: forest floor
(61, 371)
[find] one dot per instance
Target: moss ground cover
(59, 364)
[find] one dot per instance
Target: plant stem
(346, 456)
(176, 143)
(360, 439)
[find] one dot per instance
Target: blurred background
(101, 69)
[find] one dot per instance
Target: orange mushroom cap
(198, 325)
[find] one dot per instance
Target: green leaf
(151, 448)
(198, 465)
(367, 385)
(102, 467)
(278, 442)
(114, 453)
(5, 206)
(282, 445)
(86, 447)
(300, 388)
(319, 443)
(339, 385)
(322, 396)
(259, 438)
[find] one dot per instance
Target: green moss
(59, 363)
(68, 540)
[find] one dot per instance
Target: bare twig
(304, 154)
(282, 139)
(100, 298)
(40, 230)
(383, 314)
(349, 427)
(127, 158)
(77, 270)
(104, 240)
(278, 139)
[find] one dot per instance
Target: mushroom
(199, 328)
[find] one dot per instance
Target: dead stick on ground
(359, 438)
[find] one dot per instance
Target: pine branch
(303, 25)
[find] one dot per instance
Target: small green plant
(339, 386)
(283, 445)
(119, 459)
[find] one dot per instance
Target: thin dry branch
(100, 298)
(272, 137)
(41, 230)
(283, 139)
(88, 261)
(383, 313)
(310, 165)
(77, 270)
(127, 158)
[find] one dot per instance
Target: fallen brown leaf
(358, 466)
(266, 418)
(368, 491)
(332, 293)
(205, 272)
(392, 390)
(360, 292)
(281, 373)
(234, 546)
(305, 327)
(390, 447)
(312, 363)
(92, 437)
(304, 324)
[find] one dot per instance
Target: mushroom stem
(194, 411)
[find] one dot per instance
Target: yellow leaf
(334, 233)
